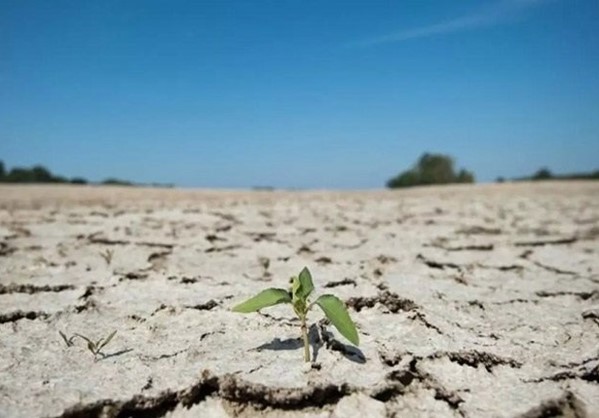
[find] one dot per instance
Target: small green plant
(94, 346)
(107, 255)
(301, 288)
(67, 341)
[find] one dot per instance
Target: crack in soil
(239, 392)
(566, 405)
(437, 264)
(350, 247)
(323, 260)
(89, 304)
(526, 256)
(475, 358)
(541, 243)
(401, 379)
(134, 275)
(6, 250)
(553, 269)
(476, 303)
(590, 375)
(227, 217)
(222, 249)
(163, 356)
(591, 314)
(155, 245)
(419, 316)
(390, 300)
(451, 398)
(343, 282)
(265, 236)
(211, 238)
(96, 238)
(517, 300)
(580, 363)
(442, 265)
(190, 280)
(226, 387)
(158, 259)
(486, 247)
(90, 291)
(511, 267)
(305, 249)
(18, 315)
(478, 230)
(207, 334)
(385, 259)
(580, 295)
(31, 289)
(208, 306)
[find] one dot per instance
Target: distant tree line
(431, 169)
(40, 174)
(546, 174)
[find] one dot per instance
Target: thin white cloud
(501, 12)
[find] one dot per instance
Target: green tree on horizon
(542, 174)
(431, 169)
(545, 173)
(36, 174)
(111, 181)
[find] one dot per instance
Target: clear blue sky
(297, 93)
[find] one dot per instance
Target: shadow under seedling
(277, 344)
(297, 296)
(349, 352)
(95, 347)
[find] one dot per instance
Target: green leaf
(264, 299)
(335, 311)
(296, 287)
(306, 285)
(66, 340)
(107, 340)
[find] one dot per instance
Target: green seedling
(67, 341)
(107, 256)
(298, 297)
(94, 346)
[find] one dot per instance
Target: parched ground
(470, 301)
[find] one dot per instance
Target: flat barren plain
(471, 301)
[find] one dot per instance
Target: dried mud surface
(470, 301)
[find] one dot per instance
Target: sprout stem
(305, 338)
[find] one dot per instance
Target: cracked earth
(470, 301)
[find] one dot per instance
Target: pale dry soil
(470, 301)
